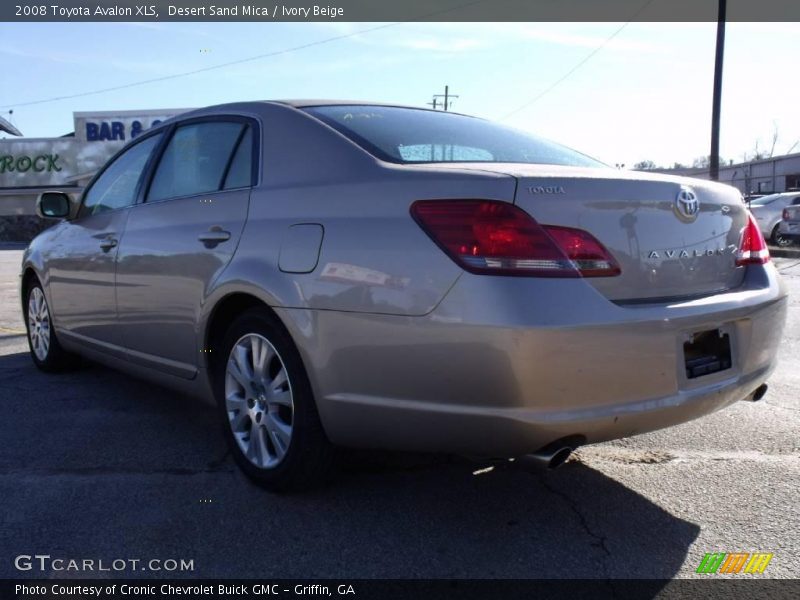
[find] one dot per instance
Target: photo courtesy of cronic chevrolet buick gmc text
(348, 274)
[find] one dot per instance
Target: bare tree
(645, 165)
(757, 153)
(774, 139)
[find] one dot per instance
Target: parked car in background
(768, 211)
(336, 273)
(790, 223)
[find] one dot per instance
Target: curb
(784, 252)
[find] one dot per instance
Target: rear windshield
(408, 135)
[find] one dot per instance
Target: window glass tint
(796, 201)
(241, 169)
(407, 135)
(116, 187)
(195, 159)
(443, 152)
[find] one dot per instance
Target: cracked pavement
(95, 464)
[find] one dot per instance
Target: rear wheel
(46, 352)
(777, 239)
(267, 407)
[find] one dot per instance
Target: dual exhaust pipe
(556, 453)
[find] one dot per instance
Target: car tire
(777, 239)
(267, 407)
(46, 351)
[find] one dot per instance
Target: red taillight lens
(752, 248)
(488, 236)
(785, 214)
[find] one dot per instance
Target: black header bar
(395, 10)
(402, 589)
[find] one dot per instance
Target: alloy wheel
(39, 323)
(259, 402)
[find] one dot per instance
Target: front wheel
(46, 352)
(267, 407)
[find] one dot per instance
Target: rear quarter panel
(373, 256)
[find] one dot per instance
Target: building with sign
(29, 166)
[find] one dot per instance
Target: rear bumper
(504, 366)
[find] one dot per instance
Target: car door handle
(107, 244)
(215, 235)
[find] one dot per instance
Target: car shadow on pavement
(97, 464)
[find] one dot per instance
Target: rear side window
(796, 201)
(240, 172)
(195, 160)
(409, 135)
(118, 184)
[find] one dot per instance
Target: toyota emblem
(686, 204)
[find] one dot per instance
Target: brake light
(492, 237)
(752, 247)
(785, 214)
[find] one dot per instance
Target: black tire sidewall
(776, 238)
(306, 430)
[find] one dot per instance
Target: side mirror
(53, 205)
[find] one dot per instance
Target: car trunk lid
(672, 237)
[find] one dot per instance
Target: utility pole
(713, 170)
(447, 96)
(435, 103)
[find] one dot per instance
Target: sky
(642, 91)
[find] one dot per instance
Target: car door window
(195, 160)
(796, 201)
(240, 172)
(118, 184)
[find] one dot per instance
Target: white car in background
(768, 211)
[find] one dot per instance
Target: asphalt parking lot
(94, 464)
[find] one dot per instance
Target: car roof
(306, 103)
(309, 103)
(775, 196)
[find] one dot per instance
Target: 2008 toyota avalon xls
(379, 276)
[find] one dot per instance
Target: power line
(577, 66)
(446, 102)
(206, 69)
(242, 60)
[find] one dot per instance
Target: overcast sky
(646, 94)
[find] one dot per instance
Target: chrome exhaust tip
(550, 457)
(549, 460)
(760, 392)
(559, 457)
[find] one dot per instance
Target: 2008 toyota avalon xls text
(344, 274)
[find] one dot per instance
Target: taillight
(785, 214)
(752, 247)
(492, 237)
